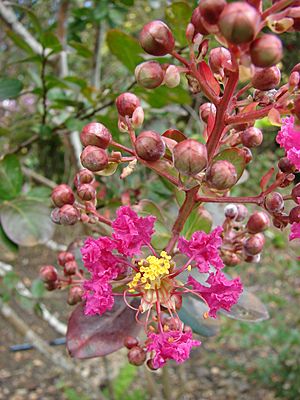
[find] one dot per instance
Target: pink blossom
(98, 296)
(289, 138)
(295, 231)
(131, 232)
(203, 248)
(173, 345)
(222, 293)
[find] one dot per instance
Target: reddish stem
(247, 117)
(121, 147)
(277, 7)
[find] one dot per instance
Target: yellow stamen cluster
(151, 271)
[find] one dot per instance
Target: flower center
(151, 271)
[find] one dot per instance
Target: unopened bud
(51, 285)
(62, 194)
(274, 202)
(242, 213)
(95, 134)
(254, 244)
(231, 211)
(294, 215)
(83, 176)
(239, 22)
(266, 51)
(55, 216)
(138, 117)
(48, 273)
(190, 157)
(172, 76)
(252, 137)
(149, 146)
(287, 181)
(94, 158)
(190, 32)
(198, 22)
(64, 257)
(86, 192)
(149, 74)
(70, 268)
(296, 193)
(150, 365)
(136, 356)
(252, 259)
(130, 342)
(285, 165)
(205, 110)
(247, 154)
(157, 39)
(75, 295)
(69, 215)
(294, 80)
(219, 58)
(210, 10)
(221, 175)
(231, 259)
(258, 222)
(266, 78)
(126, 103)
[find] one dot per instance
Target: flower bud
(205, 110)
(252, 137)
(239, 22)
(294, 80)
(150, 365)
(70, 268)
(254, 244)
(221, 175)
(190, 32)
(149, 74)
(231, 259)
(130, 342)
(172, 77)
(210, 10)
(231, 211)
(274, 202)
(266, 78)
(94, 158)
(55, 216)
(287, 181)
(126, 103)
(64, 257)
(83, 176)
(285, 165)
(266, 51)
(279, 222)
(189, 157)
(69, 215)
(252, 259)
(294, 215)
(48, 273)
(157, 39)
(149, 146)
(136, 356)
(138, 117)
(219, 58)
(247, 155)
(198, 22)
(75, 295)
(258, 222)
(62, 194)
(95, 134)
(86, 192)
(51, 285)
(242, 213)
(296, 193)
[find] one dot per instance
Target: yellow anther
(189, 267)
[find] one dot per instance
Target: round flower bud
(231, 211)
(62, 194)
(68, 215)
(136, 356)
(130, 342)
(156, 38)
(274, 202)
(137, 117)
(83, 176)
(242, 213)
(95, 134)
(149, 146)
(172, 77)
(266, 78)
(258, 222)
(86, 192)
(75, 295)
(149, 74)
(94, 158)
(64, 257)
(205, 110)
(55, 216)
(126, 103)
(189, 157)
(70, 268)
(296, 193)
(231, 259)
(266, 51)
(198, 22)
(254, 244)
(252, 259)
(210, 10)
(150, 365)
(294, 215)
(239, 22)
(285, 165)
(279, 223)
(221, 175)
(48, 273)
(247, 155)
(218, 58)
(252, 137)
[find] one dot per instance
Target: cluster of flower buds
(69, 278)
(152, 74)
(130, 111)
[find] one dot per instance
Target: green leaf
(236, 157)
(198, 220)
(8, 249)
(162, 96)
(50, 41)
(10, 88)
(11, 178)
(26, 222)
(37, 288)
(11, 279)
(125, 48)
(147, 207)
(18, 41)
(81, 49)
(39, 193)
(161, 236)
(33, 18)
(178, 15)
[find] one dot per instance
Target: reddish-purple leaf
(266, 179)
(96, 336)
(205, 71)
(174, 134)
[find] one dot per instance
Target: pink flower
(203, 248)
(98, 296)
(169, 345)
(289, 138)
(221, 293)
(131, 232)
(295, 231)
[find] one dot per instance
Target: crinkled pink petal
(98, 296)
(131, 232)
(289, 138)
(222, 293)
(171, 345)
(295, 231)
(203, 248)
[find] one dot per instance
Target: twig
(38, 178)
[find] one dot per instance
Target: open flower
(289, 138)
